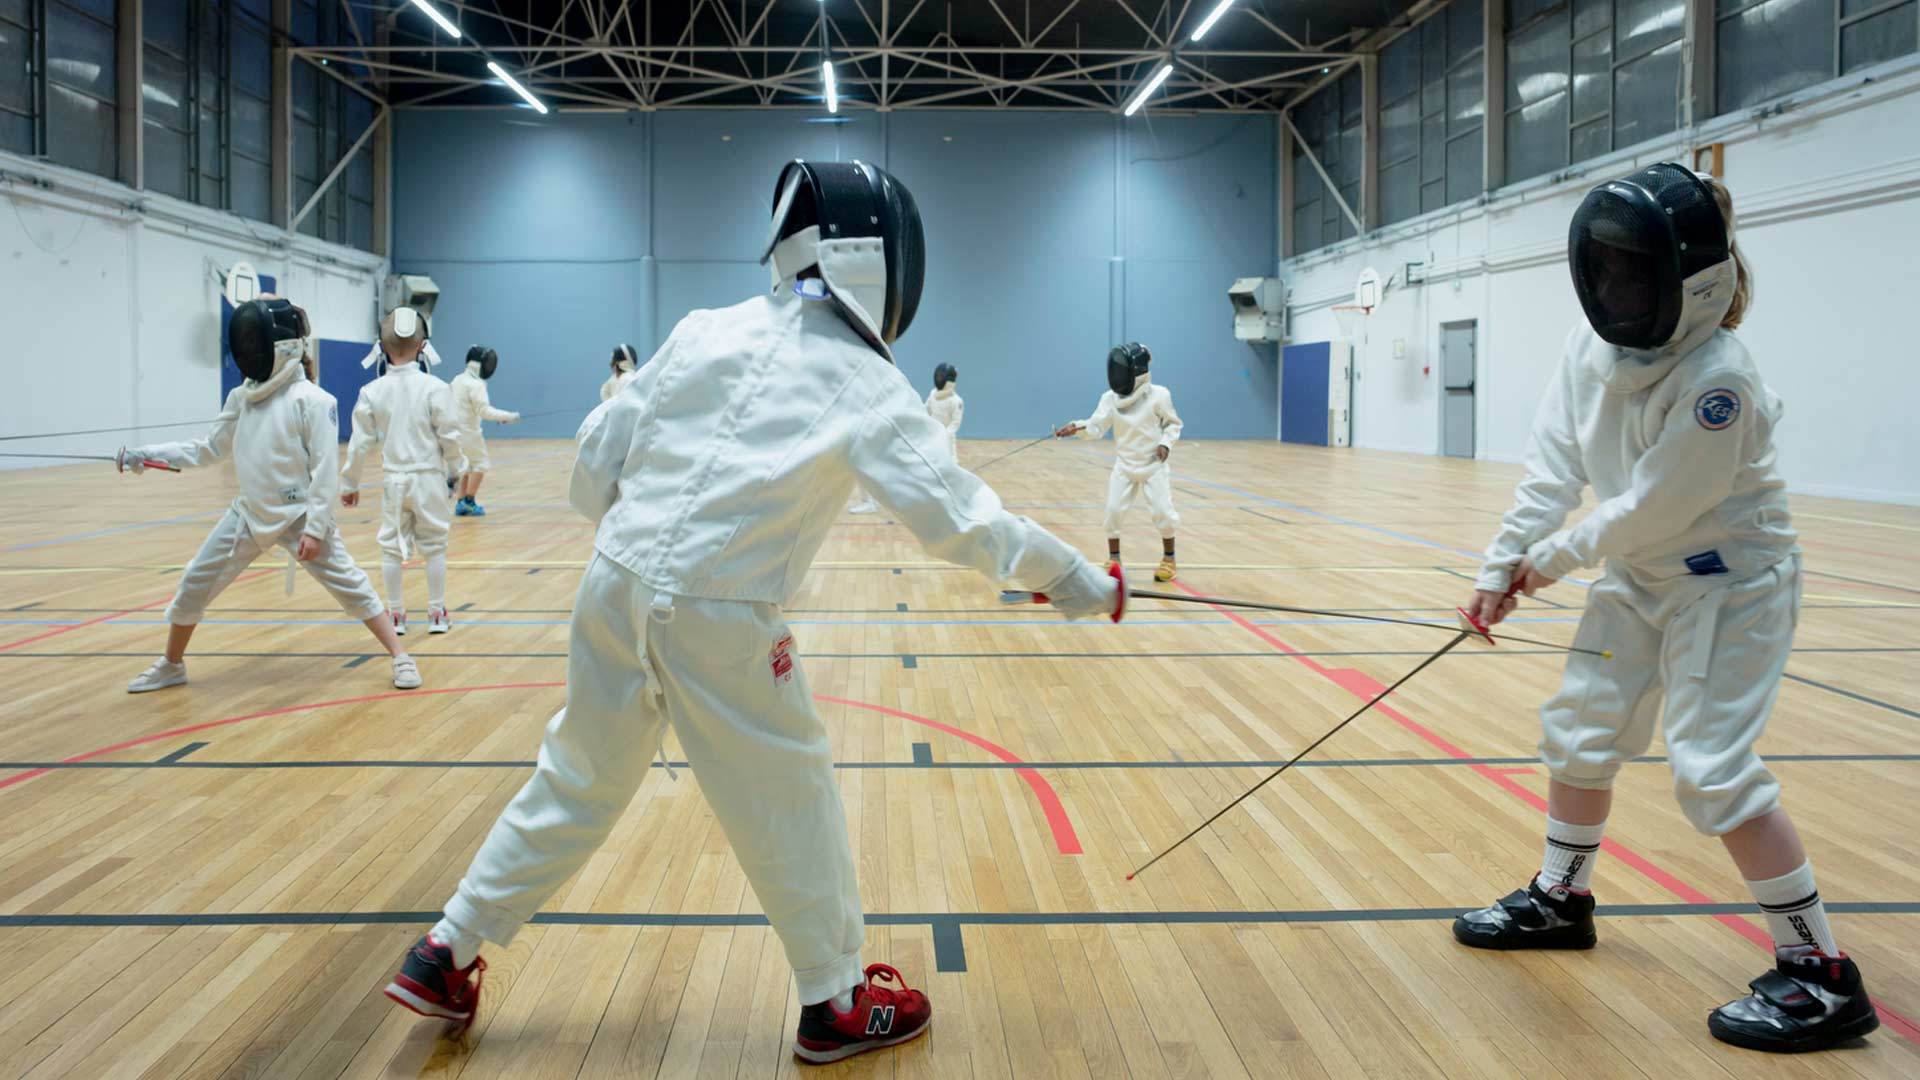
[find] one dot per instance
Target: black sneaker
(1809, 1001)
(1531, 918)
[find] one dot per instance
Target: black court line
(1269, 517)
(180, 753)
(29, 607)
(468, 606)
(922, 759)
(358, 660)
(1862, 581)
(949, 950)
(1889, 706)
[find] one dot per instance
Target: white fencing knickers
(475, 446)
(728, 682)
(415, 511)
(1716, 661)
(231, 547)
(1123, 487)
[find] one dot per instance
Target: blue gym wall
(1051, 236)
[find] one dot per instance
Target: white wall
(110, 302)
(1828, 196)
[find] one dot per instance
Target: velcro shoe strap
(1788, 995)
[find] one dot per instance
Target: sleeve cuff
(1494, 578)
(1552, 557)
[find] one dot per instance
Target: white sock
(843, 1000)
(390, 570)
(1795, 912)
(1571, 852)
(437, 580)
(465, 946)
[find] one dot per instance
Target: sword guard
(1471, 625)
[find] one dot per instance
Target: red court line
(1364, 686)
(57, 631)
(1064, 836)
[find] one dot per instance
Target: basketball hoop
(1352, 319)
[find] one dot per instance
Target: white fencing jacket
(946, 408)
(284, 438)
(614, 383)
(717, 471)
(1679, 452)
(1142, 422)
(472, 405)
(409, 415)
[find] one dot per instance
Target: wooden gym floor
(216, 880)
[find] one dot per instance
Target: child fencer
(1145, 427)
(283, 433)
(945, 406)
(409, 415)
(471, 406)
(713, 480)
(1659, 407)
(625, 366)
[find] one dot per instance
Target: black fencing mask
(1635, 248)
(486, 358)
(942, 375)
(860, 226)
(1125, 364)
(255, 333)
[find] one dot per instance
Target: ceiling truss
(618, 55)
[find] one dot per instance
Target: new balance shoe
(1809, 1001)
(430, 985)
(1531, 918)
(881, 1016)
(158, 676)
(438, 621)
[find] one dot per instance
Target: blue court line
(115, 530)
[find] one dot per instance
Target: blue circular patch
(1717, 409)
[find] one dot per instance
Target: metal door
(1457, 362)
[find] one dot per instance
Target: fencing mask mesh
(486, 358)
(1633, 245)
(256, 328)
(944, 374)
(1125, 364)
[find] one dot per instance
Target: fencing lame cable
(1458, 637)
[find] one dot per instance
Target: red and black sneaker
(881, 1016)
(430, 985)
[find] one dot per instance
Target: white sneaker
(438, 621)
(406, 673)
(162, 674)
(399, 621)
(864, 506)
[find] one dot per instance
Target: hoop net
(1352, 320)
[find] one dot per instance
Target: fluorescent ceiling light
(501, 73)
(1206, 24)
(1146, 91)
(833, 90)
(434, 14)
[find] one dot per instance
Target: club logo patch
(1717, 409)
(781, 659)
